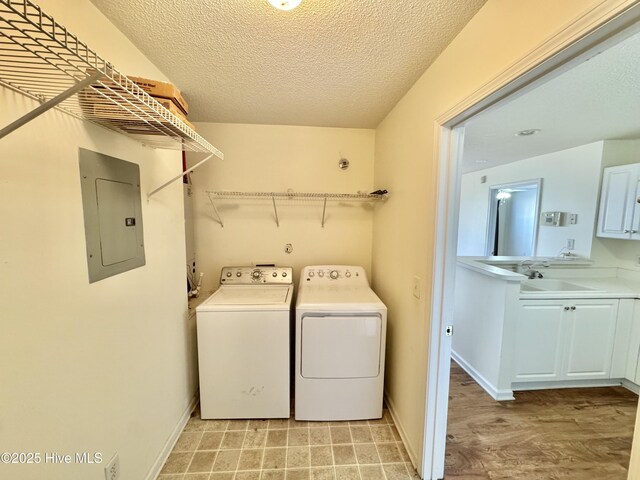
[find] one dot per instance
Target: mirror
(513, 218)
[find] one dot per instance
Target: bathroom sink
(551, 285)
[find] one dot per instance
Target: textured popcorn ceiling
(339, 63)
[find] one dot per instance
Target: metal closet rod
(223, 194)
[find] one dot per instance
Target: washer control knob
(347, 274)
(255, 274)
(228, 274)
(311, 273)
(238, 274)
(284, 274)
(333, 274)
(321, 273)
(274, 274)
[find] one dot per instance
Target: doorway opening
(513, 214)
(611, 30)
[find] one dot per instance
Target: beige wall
(278, 158)
(87, 368)
(634, 465)
(403, 240)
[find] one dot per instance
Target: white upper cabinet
(619, 215)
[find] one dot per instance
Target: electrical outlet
(573, 218)
(417, 287)
(571, 243)
(112, 470)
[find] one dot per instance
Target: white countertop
(605, 287)
(496, 266)
(605, 282)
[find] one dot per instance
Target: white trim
(491, 211)
(631, 386)
(154, 472)
(605, 382)
(487, 386)
(401, 431)
(449, 143)
(597, 25)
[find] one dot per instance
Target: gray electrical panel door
(116, 216)
(112, 214)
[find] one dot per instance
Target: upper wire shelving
(291, 195)
(43, 60)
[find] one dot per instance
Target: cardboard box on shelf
(172, 107)
(156, 88)
(96, 104)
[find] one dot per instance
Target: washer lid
(248, 297)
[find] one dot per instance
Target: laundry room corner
(276, 158)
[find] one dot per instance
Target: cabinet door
(635, 221)
(538, 341)
(617, 201)
(590, 335)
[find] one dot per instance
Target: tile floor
(285, 449)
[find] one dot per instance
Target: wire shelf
(43, 60)
(225, 194)
(290, 195)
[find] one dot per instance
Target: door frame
(491, 212)
(601, 25)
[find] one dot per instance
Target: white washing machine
(340, 345)
(243, 334)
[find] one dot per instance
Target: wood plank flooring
(563, 434)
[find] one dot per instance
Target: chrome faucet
(529, 270)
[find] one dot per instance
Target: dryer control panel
(259, 275)
(335, 274)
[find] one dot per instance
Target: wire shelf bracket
(177, 177)
(49, 104)
(215, 210)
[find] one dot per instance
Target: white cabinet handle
(573, 308)
(566, 309)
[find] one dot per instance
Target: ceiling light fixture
(285, 4)
(528, 133)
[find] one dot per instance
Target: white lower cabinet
(538, 341)
(564, 340)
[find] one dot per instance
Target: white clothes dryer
(340, 345)
(243, 332)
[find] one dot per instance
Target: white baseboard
(613, 382)
(401, 430)
(173, 438)
(631, 386)
(492, 390)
